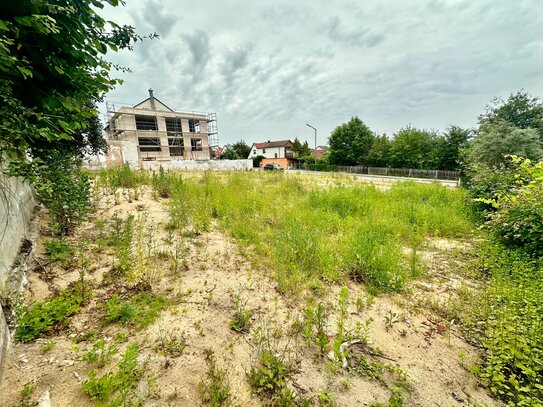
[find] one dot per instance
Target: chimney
(152, 99)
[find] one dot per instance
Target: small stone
(68, 362)
(45, 400)
(52, 360)
(24, 360)
(77, 376)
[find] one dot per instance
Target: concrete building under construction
(151, 131)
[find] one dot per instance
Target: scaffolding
(115, 125)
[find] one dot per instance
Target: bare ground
(215, 271)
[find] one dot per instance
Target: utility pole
(308, 125)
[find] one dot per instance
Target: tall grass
(307, 234)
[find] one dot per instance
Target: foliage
(350, 143)
(122, 177)
(59, 250)
(518, 219)
(521, 110)
(229, 154)
(300, 150)
(101, 353)
(241, 320)
(215, 390)
(450, 146)
(270, 376)
(242, 149)
(46, 101)
(507, 320)
(116, 388)
(257, 160)
(140, 310)
(163, 183)
(498, 139)
(379, 153)
(413, 148)
(47, 315)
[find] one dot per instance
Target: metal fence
(383, 171)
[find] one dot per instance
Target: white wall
(218, 165)
(17, 205)
(270, 152)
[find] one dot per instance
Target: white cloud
(268, 69)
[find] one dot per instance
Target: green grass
(307, 234)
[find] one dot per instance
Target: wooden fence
(383, 171)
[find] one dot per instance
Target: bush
(257, 160)
(518, 218)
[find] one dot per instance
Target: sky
(269, 67)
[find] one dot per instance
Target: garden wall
(17, 204)
(220, 165)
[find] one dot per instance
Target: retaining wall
(17, 204)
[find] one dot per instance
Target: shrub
(518, 218)
(163, 183)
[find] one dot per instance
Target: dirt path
(416, 350)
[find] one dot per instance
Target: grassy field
(263, 277)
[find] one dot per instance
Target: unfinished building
(151, 131)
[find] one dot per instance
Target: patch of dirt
(411, 343)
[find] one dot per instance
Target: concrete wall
(219, 165)
(17, 204)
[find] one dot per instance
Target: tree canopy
(520, 109)
(242, 149)
(53, 71)
(350, 143)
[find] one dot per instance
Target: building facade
(278, 152)
(159, 133)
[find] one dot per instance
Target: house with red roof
(278, 152)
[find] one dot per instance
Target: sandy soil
(214, 272)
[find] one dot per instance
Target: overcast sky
(268, 68)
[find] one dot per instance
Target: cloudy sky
(268, 68)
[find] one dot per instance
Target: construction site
(152, 131)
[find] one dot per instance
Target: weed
(140, 310)
(391, 318)
(215, 390)
(45, 316)
(170, 344)
(48, 345)
(100, 353)
(60, 251)
(26, 395)
(117, 388)
(270, 376)
(241, 320)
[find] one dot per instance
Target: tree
(300, 150)
(350, 143)
(241, 149)
(53, 71)
(378, 155)
(413, 148)
(449, 146)
(521, 110)
(229, 154)
(500, 138)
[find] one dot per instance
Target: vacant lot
(252, 289)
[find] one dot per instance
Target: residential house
(152, 131)
(319, 151)
(274, 152)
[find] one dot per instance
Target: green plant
(163, 183)
(26, 394)
(140, 310)
(170, 344)
(47, 315)
(215, 389)
(47, 346)
(241, 320)
(270, 376)
(100, 353)
(391, 318)
(116, 388)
